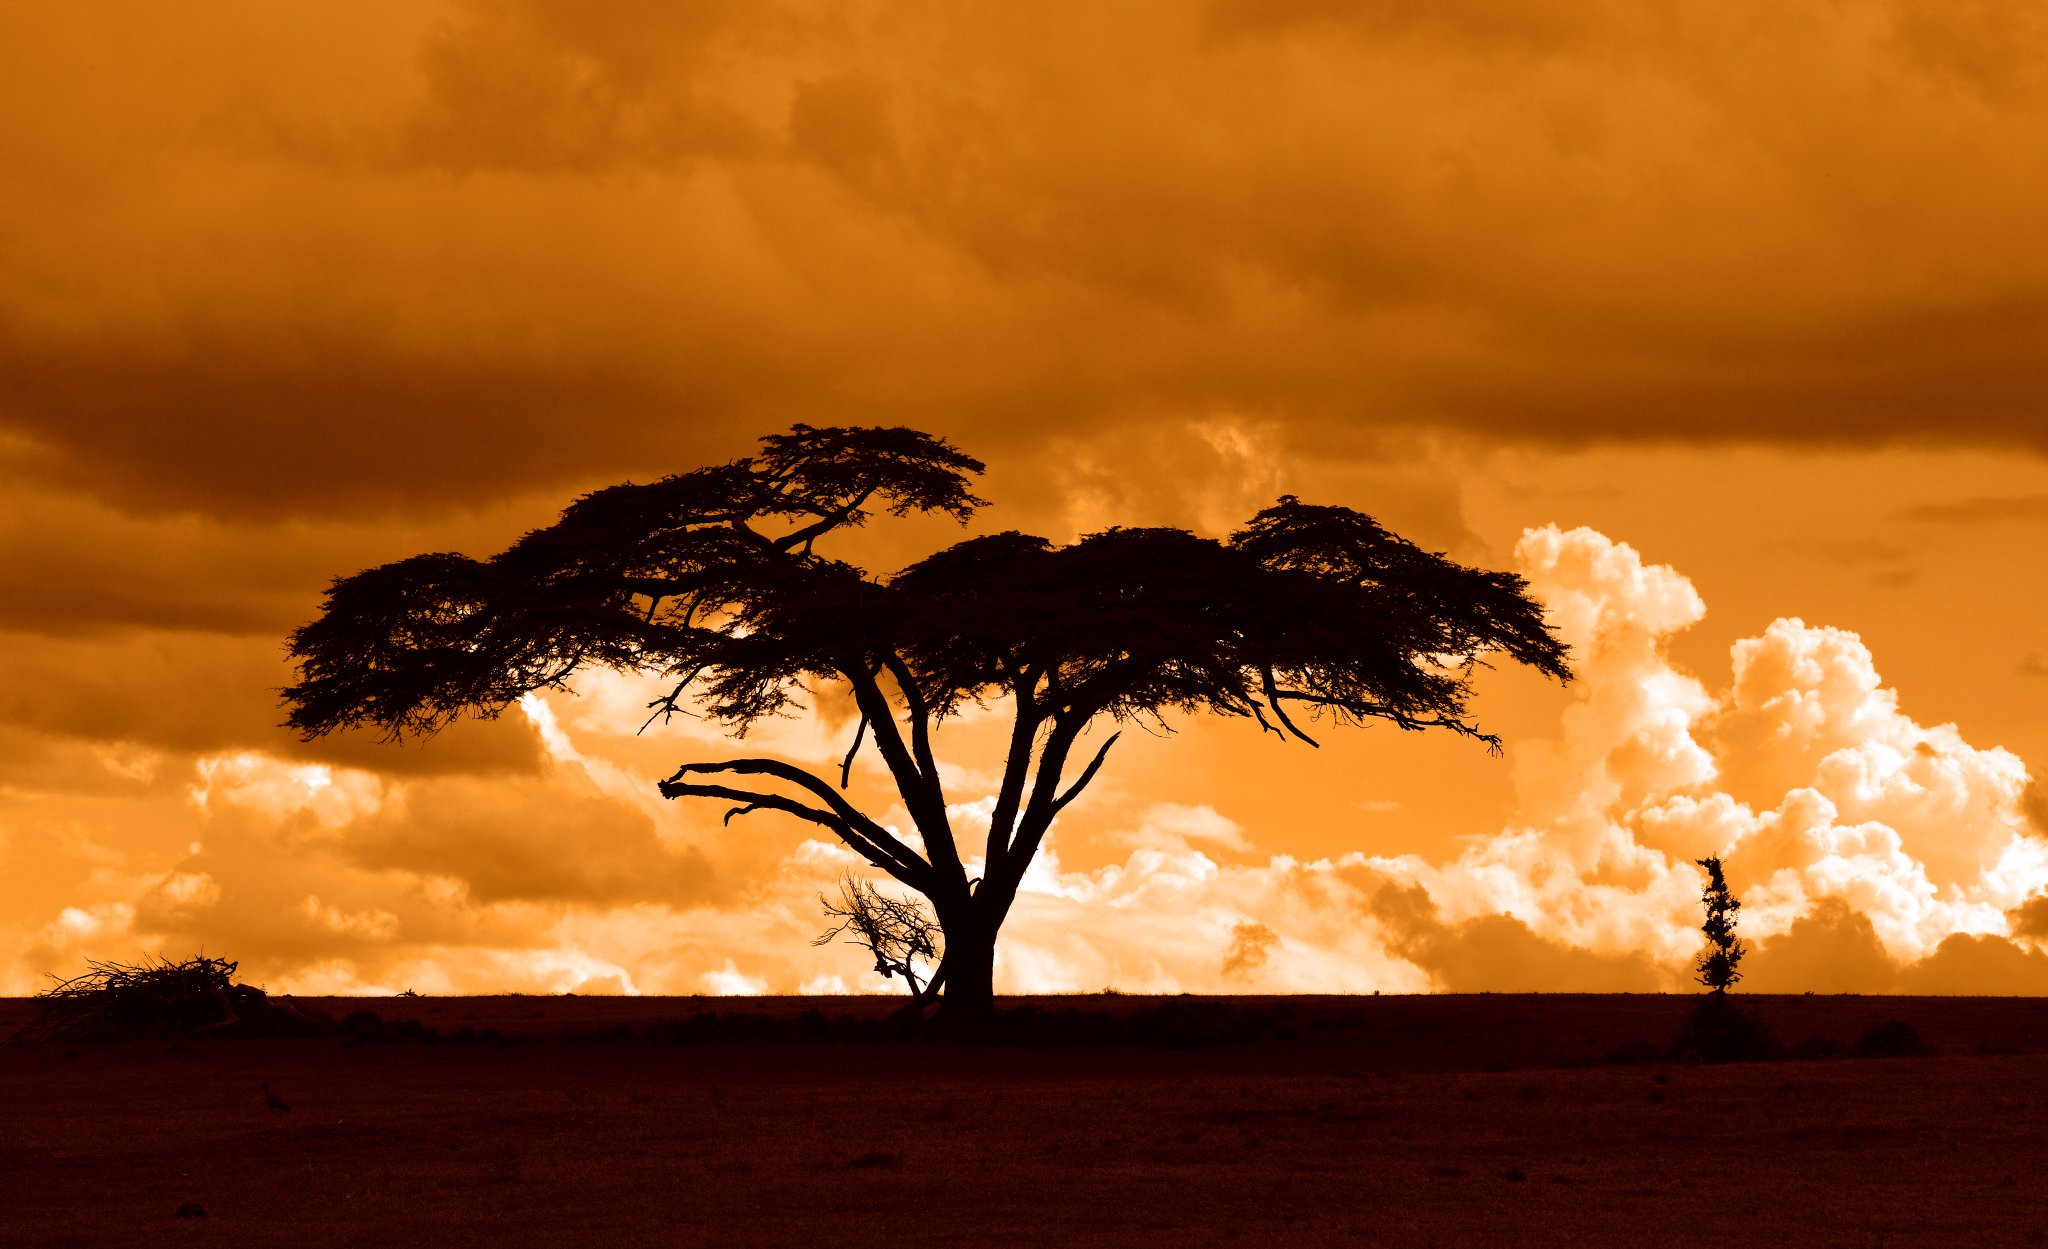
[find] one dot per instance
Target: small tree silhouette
(1716, 964)
(1718, 1030)
(897, 931)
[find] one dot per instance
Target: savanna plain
(1448, 1120)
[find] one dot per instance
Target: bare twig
(897, 931)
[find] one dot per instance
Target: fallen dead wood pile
(162, 999)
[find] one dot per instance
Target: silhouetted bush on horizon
(1893, 1038)
(1721, 1030)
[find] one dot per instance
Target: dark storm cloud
(1972, 965)
(528, 841)
(2030, 919)
(1500, 954)
(1830, 950)
(1990, 510)
(301, 260)
(187, 694)
(1834, 949)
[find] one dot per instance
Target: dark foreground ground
(1482, 1120)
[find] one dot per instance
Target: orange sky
(1735, 308)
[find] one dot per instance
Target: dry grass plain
(1482, 1120)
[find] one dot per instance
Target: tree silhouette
(713, 579)
(1715, 967)
(897, 931)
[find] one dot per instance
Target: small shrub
(1719, 1031)
(1636, 1054)
(1814, 1048)
(1894, 1038)
(367, 1027)
(477, 1036)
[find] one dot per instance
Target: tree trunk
(970, 973)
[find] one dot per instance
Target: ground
(1480, 1120)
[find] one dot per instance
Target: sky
(1721, 324)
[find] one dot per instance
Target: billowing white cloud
(1805, 774)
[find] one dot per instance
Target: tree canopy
(713, 580)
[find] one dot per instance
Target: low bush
(1636, 1054)
(1817, 1047)
(1894, 1038)
(1720, 1031)
(367, 1027)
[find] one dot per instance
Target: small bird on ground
(272, 1100)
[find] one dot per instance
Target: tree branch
(1002, 820)
(920, 791)
(1381, 711)
(1273, 697)
(668, 704)
(874, 842)
(846, 764)
(918, 712)
(1087, 775)
(1038, 810)
(825, 524)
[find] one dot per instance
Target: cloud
(1836, 950)
(1864, 843)
(1501, 954)
(1872, 852)
(1985, 510)
(1250, 945)
(284, 295)
(2030, 919)
(1831, 949)
(1805, 776)
(1875, 853)
(393, 253)
(729, 981)
(177, 695)
(1170, 826)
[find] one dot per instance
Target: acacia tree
(714, 579)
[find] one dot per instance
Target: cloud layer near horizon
(1874, 853)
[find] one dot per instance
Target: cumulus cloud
(1824, 797)
(1875, 853)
